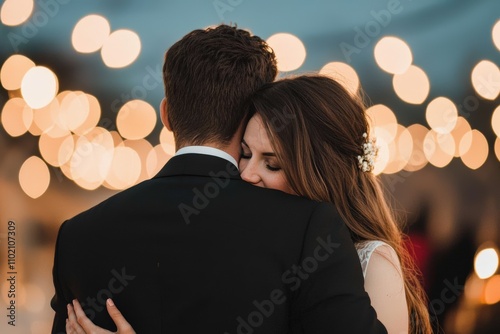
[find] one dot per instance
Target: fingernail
(110, 302)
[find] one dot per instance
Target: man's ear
(164, 114)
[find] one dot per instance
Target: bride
(308, 136)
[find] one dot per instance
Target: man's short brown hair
(209, 74)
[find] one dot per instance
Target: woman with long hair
(310, 137)
(319, 134)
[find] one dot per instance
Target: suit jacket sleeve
(58, 302)
(330, 295)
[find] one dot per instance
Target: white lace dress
(365, 250)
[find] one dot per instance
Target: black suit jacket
(198, 250)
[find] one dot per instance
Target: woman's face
(258, 164)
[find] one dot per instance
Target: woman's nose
(249, 172)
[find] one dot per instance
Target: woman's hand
(78, 323)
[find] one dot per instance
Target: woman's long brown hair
(317, 127)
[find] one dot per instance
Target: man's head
(208, 75)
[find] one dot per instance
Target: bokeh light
(439, 148)
(383, 123)
(497, 148)
(39, 86)
(91, 160)
(16, 12)
(400, 150)
(34, 177)
(441, 115)
(40, 327)
(342, 73)
(90, 33)
(13, 71)
(142, 147)
(17, 117)
(485, 78)
(117, 139)
(495, 121)
(383, 156)
(49, 118)
(167, 141)
(289, 49)
(121, 48)
(34, 129)
(43, 117)
(125, 168)
(74, 110)
(486, 263)
(393, 55)
(412, 86)
(93, 116)
(495, 34)
(477, 153)
(36, 297)
(157, 158)
(461, 128)
(418, 159)
(136, 119)
(101, 136)
(492, 290)
(56, 150)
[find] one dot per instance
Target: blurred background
(82, 82)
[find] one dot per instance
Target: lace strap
(365, 250)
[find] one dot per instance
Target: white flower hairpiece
(366, 162)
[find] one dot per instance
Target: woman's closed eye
(245, 155)
(273, 167)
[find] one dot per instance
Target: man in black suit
(196, 249)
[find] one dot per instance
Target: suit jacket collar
(192, 164)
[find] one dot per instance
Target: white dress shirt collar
(207, 151)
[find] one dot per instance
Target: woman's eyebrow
(266, 154)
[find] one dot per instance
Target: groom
(196, 249)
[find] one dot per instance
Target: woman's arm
(385, 286)
(78, 323)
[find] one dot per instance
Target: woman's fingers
(122, 325)
(79, 323)
(86, 324)
(72, 326)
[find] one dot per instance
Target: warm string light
(342, 73)
(485, 77)
(119, 48)
(412, 86)
(65, 121)
(486, 262)
(393, 55)
(16, 12)
(289, 49)
(90, 33)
